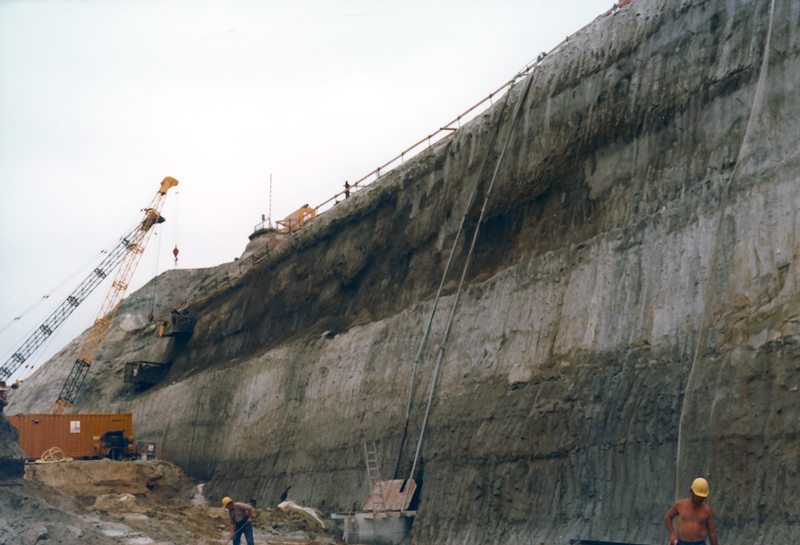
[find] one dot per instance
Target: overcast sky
(100, 100)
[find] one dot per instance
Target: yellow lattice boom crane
(135, 244)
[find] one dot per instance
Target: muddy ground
(134, 503)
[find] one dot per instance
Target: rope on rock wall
(442, 345)
(444, 276)
(754, 110)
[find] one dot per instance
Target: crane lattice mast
(134, 247)
(65, 309)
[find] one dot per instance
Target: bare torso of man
(694, 522)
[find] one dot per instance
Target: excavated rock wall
(12, 457)
(631, 318)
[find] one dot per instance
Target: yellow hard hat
(700, 487)
(226, 501)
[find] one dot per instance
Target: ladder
(375, 484)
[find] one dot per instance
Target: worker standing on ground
(241, 517)
(3, 395)
(694, 518)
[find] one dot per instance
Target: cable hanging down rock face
(559, 400)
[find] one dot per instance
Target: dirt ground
(133, 503)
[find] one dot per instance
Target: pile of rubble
(102, 502)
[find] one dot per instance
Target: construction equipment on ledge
(134, 247)
(296, 220)
(177, 325)
(145, 372)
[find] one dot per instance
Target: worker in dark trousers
(241, 517)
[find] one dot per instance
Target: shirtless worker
(694, 518)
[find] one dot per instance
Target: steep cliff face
(631, 319)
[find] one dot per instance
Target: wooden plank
(393, 493)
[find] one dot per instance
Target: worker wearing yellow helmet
(695, 521)
(241, 516)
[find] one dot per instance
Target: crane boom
(134, 247)
(64, 310)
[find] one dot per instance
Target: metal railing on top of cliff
(443, 132)
(447, 130)
(440, 134)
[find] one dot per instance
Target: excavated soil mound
(134, 503)
(158, 481)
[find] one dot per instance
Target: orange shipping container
(74, 434)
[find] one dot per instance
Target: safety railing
(440, 134)
(448, 129)
(243, 265)
(236, 270)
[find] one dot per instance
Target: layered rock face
(631, 319)
(12, 457)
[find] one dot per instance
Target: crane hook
(175, 253)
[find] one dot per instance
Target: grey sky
(100, 100)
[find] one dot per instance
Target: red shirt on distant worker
(239, 512)
(241, 520)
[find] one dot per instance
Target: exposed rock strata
(12, 457)
(618, 245)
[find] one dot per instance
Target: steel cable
(712, 262)
(443, 344)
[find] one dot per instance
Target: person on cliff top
(3, 395)
(241, 516)
(694, 518)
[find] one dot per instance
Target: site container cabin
(77, 435)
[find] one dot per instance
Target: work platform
(145, 372)
(384, 519)
(176, 326)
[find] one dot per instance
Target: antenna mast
(270, 201)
